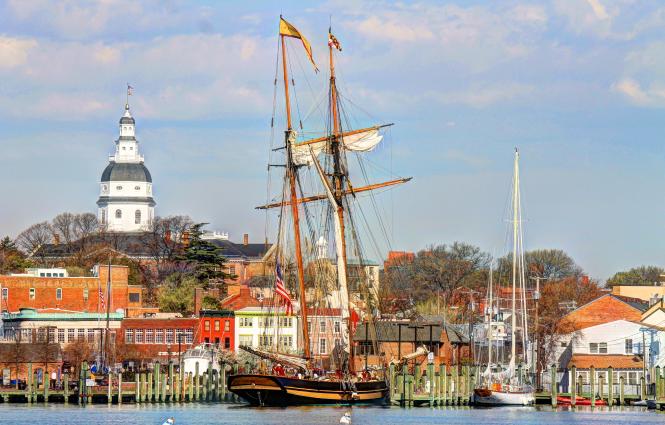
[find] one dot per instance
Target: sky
(577, 85)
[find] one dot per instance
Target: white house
(266, 327)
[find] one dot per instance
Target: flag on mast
(333, 41)
(281, 290)
(288, 30)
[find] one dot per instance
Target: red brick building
(157, 338)
(605, 309)
(80, 294)
(217, 327)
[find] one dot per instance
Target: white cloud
(653, 95)
(14, 51)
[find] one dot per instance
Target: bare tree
(85, 224)
(76, 352)
(18, 352)
(63, 227)
(34, 237)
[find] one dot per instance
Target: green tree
(11, 259)
(176, 295)
(204, 259)
(642, 275)
(551, 264)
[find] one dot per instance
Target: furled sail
(293, 361)
(363, 141)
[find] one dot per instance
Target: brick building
(157, 338)
(77, 294)
(217, 327)
(325, 331)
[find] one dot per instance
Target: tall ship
(318, 252)
(508, 385)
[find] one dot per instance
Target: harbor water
(199, 414)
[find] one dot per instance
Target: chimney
(56, 239)
(185, 239)
(245, 239)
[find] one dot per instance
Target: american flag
(281, 290)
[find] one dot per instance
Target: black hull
(268, 390)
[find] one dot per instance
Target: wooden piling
(66, 387)
(457, 384)
(573, 385)
(643, 388)
(196, 381)
(449, 382)
(47, 383)
(204, 387)
(119, 387)
(109, 389)
(209, 382)
(657, 381)
(223, 385)
(621, 391)
(431, 380)
(190, 387)
(151, 383)
(601, 388)
(170, 382)
(610, 386)
(158, 382)
(554, 386)
(162, 391)
(137, 387)
(592, 373)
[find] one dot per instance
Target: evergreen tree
(205, 260)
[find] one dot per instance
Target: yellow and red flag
(288, 30)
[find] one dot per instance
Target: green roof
(32, 314)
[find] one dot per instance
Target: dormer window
(118, 187)
(137, 187)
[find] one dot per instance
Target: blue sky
(577, 85)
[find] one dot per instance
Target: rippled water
(240, 415)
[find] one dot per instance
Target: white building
(266, 327)
(125, 197)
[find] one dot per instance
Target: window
(179, 335)
(602, 348)
(138, 336)
(322, 326)
(169, 336)
(227, 325)
(206, 325)
(85, 294)
(286, 341)
(5, 293)
(129, 336)
(189, 336)
(80, 333)
(286, 322)
(337, 327)
(134, 297)
(149, 338)
(309, 326)
(61, 336)
(365, 347)
(58, 293)
(593, 347)
(159, 336)
(137, 217)
(137, 187)
(119, 187)
(245, 322)
(322, 346)
(232, 270)
(103, 216)
(338, 342)
(216, 325)
(629, 346)
(227, 343)
(267, 322)
(32, 293)
(70, 335)
(245, 340)
(265, 340)
(118, 214)
(91, 335)
(51, 334)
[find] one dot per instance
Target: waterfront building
(162, 337)
(325, 333)
(266, 327)
(35, 289)
(448, 344)
(604, 309)
(125, 201)
(217, 327)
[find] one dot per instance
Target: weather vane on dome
(129, 93)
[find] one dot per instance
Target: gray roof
(127, 120)
(104, 200)
(123, 171)
(389, 332)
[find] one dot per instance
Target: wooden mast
(291, 172)
(338, 185)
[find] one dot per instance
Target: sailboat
(300, 382)
(508, 387)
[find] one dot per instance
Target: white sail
(359, 142)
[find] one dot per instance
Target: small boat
(649, 404)
(204, 355)
(579, 401)
(507, 395)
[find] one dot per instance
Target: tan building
(647, 293)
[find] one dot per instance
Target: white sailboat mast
(513, 318)
(489, 327)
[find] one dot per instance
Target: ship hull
(268, 390)
(486, 397)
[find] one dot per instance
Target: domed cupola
(125, 201)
